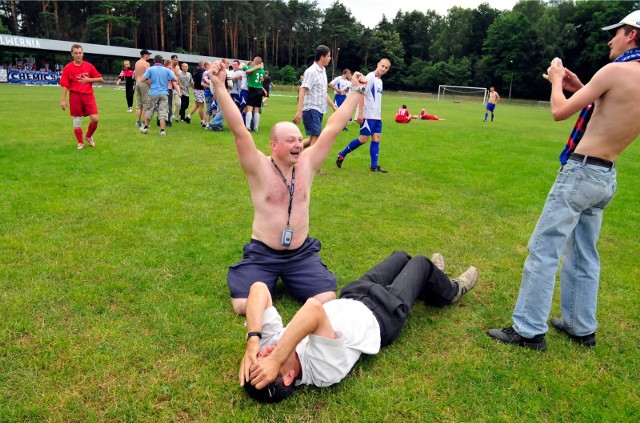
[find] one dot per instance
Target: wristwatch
(361, 89)
(250, 334)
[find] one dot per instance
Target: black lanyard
(291, 188)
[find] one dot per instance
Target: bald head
(281, 129)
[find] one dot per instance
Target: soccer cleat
(90, 141)
(187, 119)
(130, 110)
(162, 132)
(80, 145)
(339, 161)
(585, 340)
(138, 124)
(144, 129)
(510, 336)
(379, 169)
(466, 282)
(438, 260)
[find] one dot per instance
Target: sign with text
(32, 77)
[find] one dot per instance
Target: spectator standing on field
(142, 90)
(569, 226)
(313, 97)
(158, 77)
(185, 80)
(128, 76)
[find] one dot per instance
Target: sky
(369, 12)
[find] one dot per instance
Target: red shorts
(82, 104)
(402, 119)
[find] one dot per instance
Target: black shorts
(301, 270)
(254, 99)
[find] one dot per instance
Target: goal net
(458, 93)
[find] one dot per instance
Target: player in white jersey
(235, 77)
(370, 117)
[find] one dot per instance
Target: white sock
(256, 121)
(247, 120)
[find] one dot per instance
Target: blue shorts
(301, 270)
(243, 98)
(339, 99)
(236, 99)
(370, 127)
(491, 107)
(312, 120)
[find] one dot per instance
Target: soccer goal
(458, 93)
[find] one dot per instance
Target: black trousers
(390, 288)
(129, 91)
(184, 105)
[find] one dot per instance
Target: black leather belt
(596, 161)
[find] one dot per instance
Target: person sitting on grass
(324, 341)
(403, 115)
(280, 185)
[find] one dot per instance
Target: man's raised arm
(258, 301)
(248, 154)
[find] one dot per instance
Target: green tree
(385, 42)
(454, 35)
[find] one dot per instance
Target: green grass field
(113, 297)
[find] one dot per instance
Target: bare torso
(615, 122)
(270, 198)
(140, 68)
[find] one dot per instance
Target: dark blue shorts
(370, 127)
(301, 270)
(312, 120)
(491, 107)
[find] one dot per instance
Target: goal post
(459, 92)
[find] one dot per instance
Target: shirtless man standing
(569, 226)
(142, 89)
(494, 98)
(280, 188)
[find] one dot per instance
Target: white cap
(632, 19)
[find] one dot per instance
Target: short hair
(322, 51)
(75, 46)
(257, 60)
(157, 58)
(404, 106)
(167, 62)
(236, 61)
(628, 29)
(272, 393)
(174, 56)
(345, 71)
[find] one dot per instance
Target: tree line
(478, 47)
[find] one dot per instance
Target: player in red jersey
(403, 115)
(77, 78)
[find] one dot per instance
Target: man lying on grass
(324, 341)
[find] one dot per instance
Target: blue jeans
(217, 120)
(568, 227)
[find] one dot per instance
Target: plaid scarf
(583, 119)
